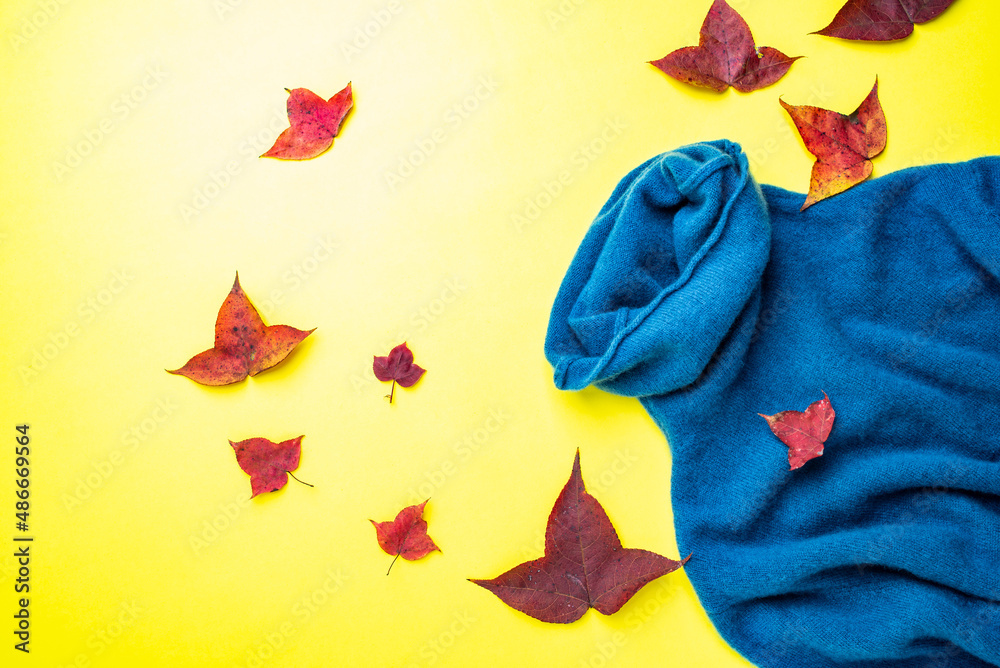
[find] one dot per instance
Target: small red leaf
(726, 56)
(244, 345)
(267, 463)
(803, 432)
(314, 122)
(882, 20)
(843, 145)
(406, 536)
(398, 367)
(585, 565)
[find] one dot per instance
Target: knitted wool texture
(713, 299)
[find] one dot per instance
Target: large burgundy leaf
(882, 20)
(313, 123)
(726, 56)
(803, 432)
(843, 144)
(244, 345)
(585, 565)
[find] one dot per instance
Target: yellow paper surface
(484, 139)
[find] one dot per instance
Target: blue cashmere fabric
(712, 299)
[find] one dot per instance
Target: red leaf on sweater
(244, 345)
(398, 367)
(268, 464)
(314, 122)
(585, 565)
(803, 432)
(882, 20)
(406, 536)
(843, 145)
(726, 56)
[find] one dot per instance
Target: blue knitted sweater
(713, 299)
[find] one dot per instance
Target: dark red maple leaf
(398, 367)
(406, 536)
(803, 432)
(882, 20)
(268, 464)
(843, 145)
(585, 565)
(244, 345)
(313, 121)
(726, 56)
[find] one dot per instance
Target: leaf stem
(392, 391)
(303, 482)
(393, 562)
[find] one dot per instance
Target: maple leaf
(398, 367)
(803, 432)
(881, 20)
(313, 121)
(843, 145)
(268, 464)
(726, 56)
(406, 536)
(585, 565)
(244, 345)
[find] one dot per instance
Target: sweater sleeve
(672, 261)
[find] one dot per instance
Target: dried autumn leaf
(585, 565)
(398, 367)
(726, 56)
(803, 432)
(244, 345)
(268, 464)
(406, 536)
(313, 121)
(881, 20)
(843, 145)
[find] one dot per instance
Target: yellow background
(418, 225)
